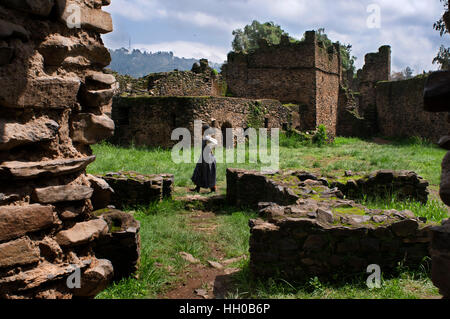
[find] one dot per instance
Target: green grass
(345, 154)
(433, 210)
(164, 233)
(165, 228)
(408, 285)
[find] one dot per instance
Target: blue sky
(203, 28)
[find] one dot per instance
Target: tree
(247, 39)
(443, 56)
(348, 61)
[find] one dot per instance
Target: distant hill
(138, 64)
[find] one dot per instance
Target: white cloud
(188, 49)
(406, 25)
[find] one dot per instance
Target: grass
(433, 210)
(345, 154)
(166, 231)
(408, 285)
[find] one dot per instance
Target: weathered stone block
(88, 128)
(95, 279)
(18, 252)
(38, 7)
(92, 19)
(43, 92)
(134, 189)
(30, 170)
(16, 221)
(103, 193)
(82, 233)
(122, 243)
(64, 193)
(16, 134)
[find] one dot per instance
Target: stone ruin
(53, 104)
(132, 189)
(308, 229)
(436, 96)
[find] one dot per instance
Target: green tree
(348, 61)
(247, 39)
(443, 56)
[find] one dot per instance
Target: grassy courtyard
(169, 227)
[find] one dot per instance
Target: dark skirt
(205, 174)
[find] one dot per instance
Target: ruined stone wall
(401, 111)
(307, 229)
(53, 97)
(377, 68)
(150, 121)
(349, 122)
(305, 73)
(199, 82)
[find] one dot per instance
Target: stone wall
(304, 73)
(377, 68)
(149, 121)
(53, 100)
(401, 113)
(349, 122)
(307, 229)
(132, 189)
(201, 81)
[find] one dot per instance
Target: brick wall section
(304, 73)
(150, 121)
(401, 112)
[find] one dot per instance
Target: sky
(203, 28)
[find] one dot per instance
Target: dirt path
(200, 280)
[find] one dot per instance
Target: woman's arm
(212, 140)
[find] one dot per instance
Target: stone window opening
(266, 122)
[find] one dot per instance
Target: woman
(205, 171)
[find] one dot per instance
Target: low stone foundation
(307, 229)
(133, 189)
(402, 184)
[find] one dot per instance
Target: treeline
(139, 63)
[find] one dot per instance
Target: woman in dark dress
(205, 171)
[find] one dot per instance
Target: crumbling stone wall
(149, 121)
(132, 189)
(401, 111)
(53, 100)
(304, 73)
(200, 81)
(307, 229)
(377, 68)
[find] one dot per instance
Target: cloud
(203, 27)
(188, 49)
